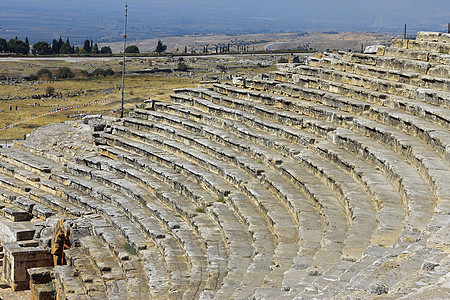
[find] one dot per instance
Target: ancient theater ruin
(329, 178)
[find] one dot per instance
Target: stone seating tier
(326, 179)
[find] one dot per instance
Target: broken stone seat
(20, 256)
(430, 133)
(423, 55)
(25, 203)
(423, 43)
(24, 160)
(114, 278)
(239, 203)
(129, 262)
(353, 85)
(357, 100)
(440, 37)
(400, 64)
(375, 72)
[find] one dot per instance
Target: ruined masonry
(328, 178)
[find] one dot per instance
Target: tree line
(56, 47)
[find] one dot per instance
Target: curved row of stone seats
(399, 64)
(208, 265)
(186, 126)
(345, 188)
(281, 226)
(434, 135)
(335, 63)
(203, 129)
(237, 236)
(432, 57)
(131, 266)
(304, 219)
(358, 100)
(132, 212)
(286, 193)
(71, 197)
(382, 92)
(414, 150)
(426, 41)
(435, 168)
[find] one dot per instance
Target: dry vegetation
(31, 100)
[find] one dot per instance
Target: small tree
(3, 45)
(64, 73)
(65, 49)
(160, 48)
(49, 91)
(182, 66)
(41, 48)
(87, 46)
(132, 49)
(44, 73)
(106, 50)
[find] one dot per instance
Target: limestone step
(440, 37)
(354, 85)
(109, 270)
(14, 213)
(424, 43)
(88, 272)
(400, 64)
(69, 284)
(11, 231)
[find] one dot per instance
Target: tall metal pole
(124, 47)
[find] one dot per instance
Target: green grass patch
(129, 248)
(200, 210)
(220, 199)
(260, 161)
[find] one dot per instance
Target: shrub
(64, 73)
(283, 60)
(50, 91)
(44, 72)
(132, 49)
(182, 67)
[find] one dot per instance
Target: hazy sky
(103, 19)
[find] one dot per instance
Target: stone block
(19, 259)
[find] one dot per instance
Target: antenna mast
(124, 47)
